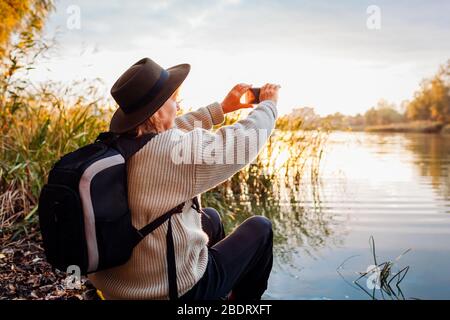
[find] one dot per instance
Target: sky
(335, 56)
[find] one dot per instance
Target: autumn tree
(20, 20)
(383, 113)
(21, 43)
(432, 100)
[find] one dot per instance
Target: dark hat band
(150, 95)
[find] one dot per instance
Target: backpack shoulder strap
(171, 264)
(143, 232)
(127, 146)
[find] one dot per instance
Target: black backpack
(83, 209)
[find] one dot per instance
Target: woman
(208, 264)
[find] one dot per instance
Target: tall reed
(39, 124)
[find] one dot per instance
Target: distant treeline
(429, 109)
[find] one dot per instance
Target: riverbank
(24, 273)
(416, 126)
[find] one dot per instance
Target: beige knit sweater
(157, 183)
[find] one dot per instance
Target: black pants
(240, 262)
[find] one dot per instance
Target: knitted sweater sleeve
(204, 117)
(219, 155)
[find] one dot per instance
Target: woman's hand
(269, 92)
(232, 101)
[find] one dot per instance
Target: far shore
(403, 127)
(416, 126)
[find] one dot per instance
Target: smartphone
(253, 95)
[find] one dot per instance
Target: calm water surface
(394, 187)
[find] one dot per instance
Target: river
(392, 187)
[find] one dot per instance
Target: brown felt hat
(142, 90)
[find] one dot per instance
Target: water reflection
(274, 186)
(432, 154)
(327, 196)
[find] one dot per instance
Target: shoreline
(404, 127)
(415, 127)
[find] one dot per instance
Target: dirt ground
(24, 274)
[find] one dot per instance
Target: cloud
(336, 28)
(310, 46)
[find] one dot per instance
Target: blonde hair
(150, 124)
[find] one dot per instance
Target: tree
(23, 19)
(383, 113)
(21, 23)
(432, 100)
